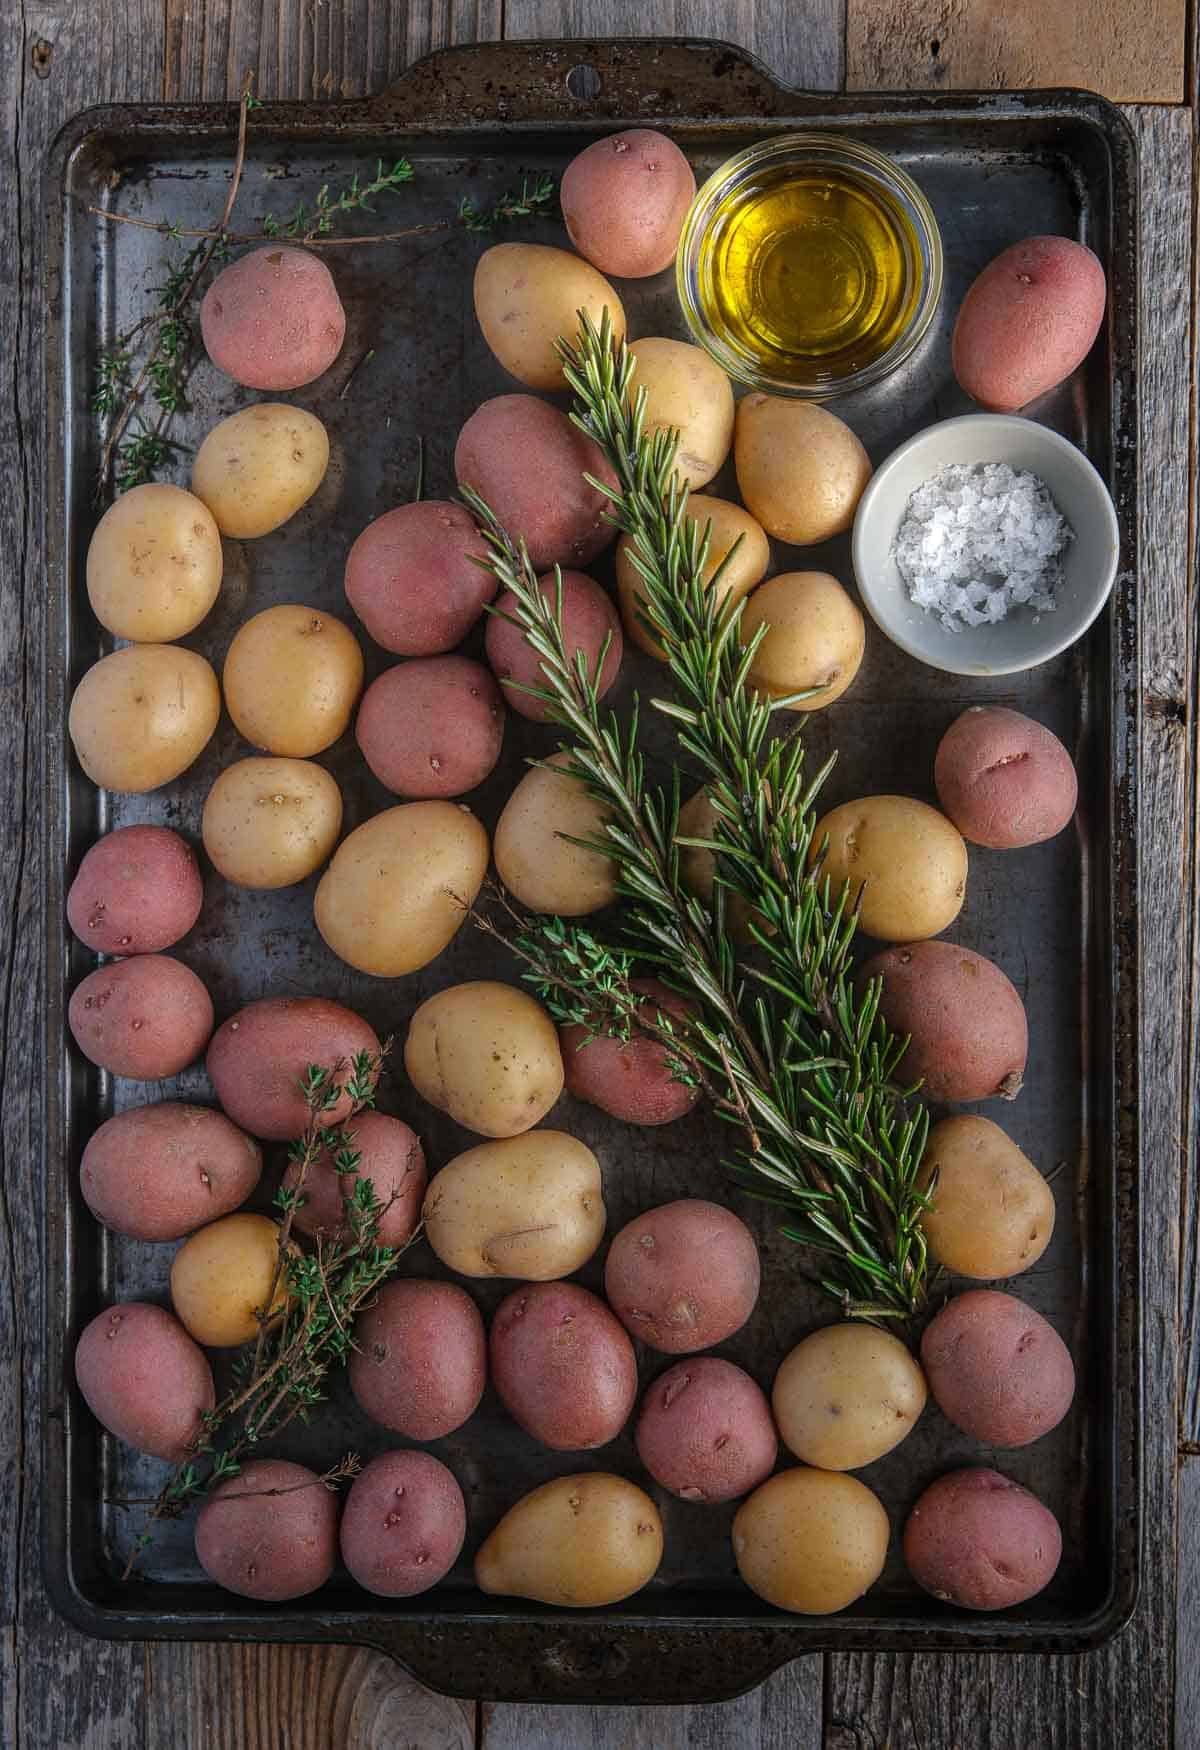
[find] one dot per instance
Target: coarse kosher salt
(978, 539)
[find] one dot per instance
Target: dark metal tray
(1060, 918)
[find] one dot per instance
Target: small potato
(273, 318)
(399, 887)
(996, 1369)
(221, 1279)
(154, 564)
(144, 1379)
(979, 1540)
(631, 1079)
(683, 1276)
(811, 1541)
(431, 728)
(144, 1018)
(393, 1162)
(527, 461)
(138, 890)
(815, 638)
(588, 621)
(1004, 780)
(526, 295)
(279, 1542)
(257, 468)
(403, 1525)
(581, 1541)
(419, 1364)
(727, 524)
(534, 856)
(698, 867)
(687, 392)
(800, 470)
(563, 1366)
(270, 822)
(291, 678)
(159, 1172)
(705, 1431)
(413, 581)
(624, 200)
(141, 716)
(527, 1206)
(1028, 321)
(906, 860)
(992, 1213)
(846, 1395)
(487, 1054)
(258, 1056)
(967, 1033)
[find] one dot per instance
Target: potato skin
(683, 1276)
(977, 1539)
(1005, 780)
(291, 678)
(815, 638)
(846, 1395)
(159, 1172)
(630, 1080)
(259, 1054)
(269, 1547)
(420, 1365)
(907, 859)
(394, 1163)
(141, 716)
(257, 468)
(270, 823)
(1028, 321)
(687, 392)
(144, 1018)
(527, 1206)
(800, 469)
(389, 901)
(588, 618)
(996, 1369)
(412, 580)
(486, 1053)
(403, 1525)
(527, 460)
(968, 1036)
(811, 1541)
(624, 200)
(138, 890)
(154, 564)
(431, 728)
(222, 1274)
(727, 523)
(992, 1212)
(563, 1366)
(526, 295)
(705, 1431)
(272, 319)
(543, 870)
(144, 1379)
(581, 1541)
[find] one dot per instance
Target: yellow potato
(800, 470)
(815, 638)
(291, 677)
(905, 858)
(545, 872)
(846, 1395)
(527, 1206)
(992, 1212)
(259, 466)
(697, 820)
(747, 568)
(154, 564)
(221, 1277)
(526, 295)
(811, 1541)
(398, 888)
(687, 392)
(487, 1054)
(582, 1541)
(141, 716)
(271, 822)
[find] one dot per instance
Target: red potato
(431, 728)
(563, 1366)
(403, 1524)
(705, 1431)
(968, 1034)
(624, 200)
(420, 1362)
(159, 1172)
(268, 1545)
(394, 1163)
(273, 318)
(413, 581)
(684, 1276)
(996, 1368)
(632, 1079)
(1005, 780)
(979, 1540)
(258, 1056)
(144, 1379)
(1028, 321)
(144, 1018)
(138, 890)
(588, 618)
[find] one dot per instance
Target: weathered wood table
(59, 1690)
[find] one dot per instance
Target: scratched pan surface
(1059, 918)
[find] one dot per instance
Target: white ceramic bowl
(1027, 636)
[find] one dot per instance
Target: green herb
(308, 225)
(535, 199)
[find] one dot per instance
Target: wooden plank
(1131, 53)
